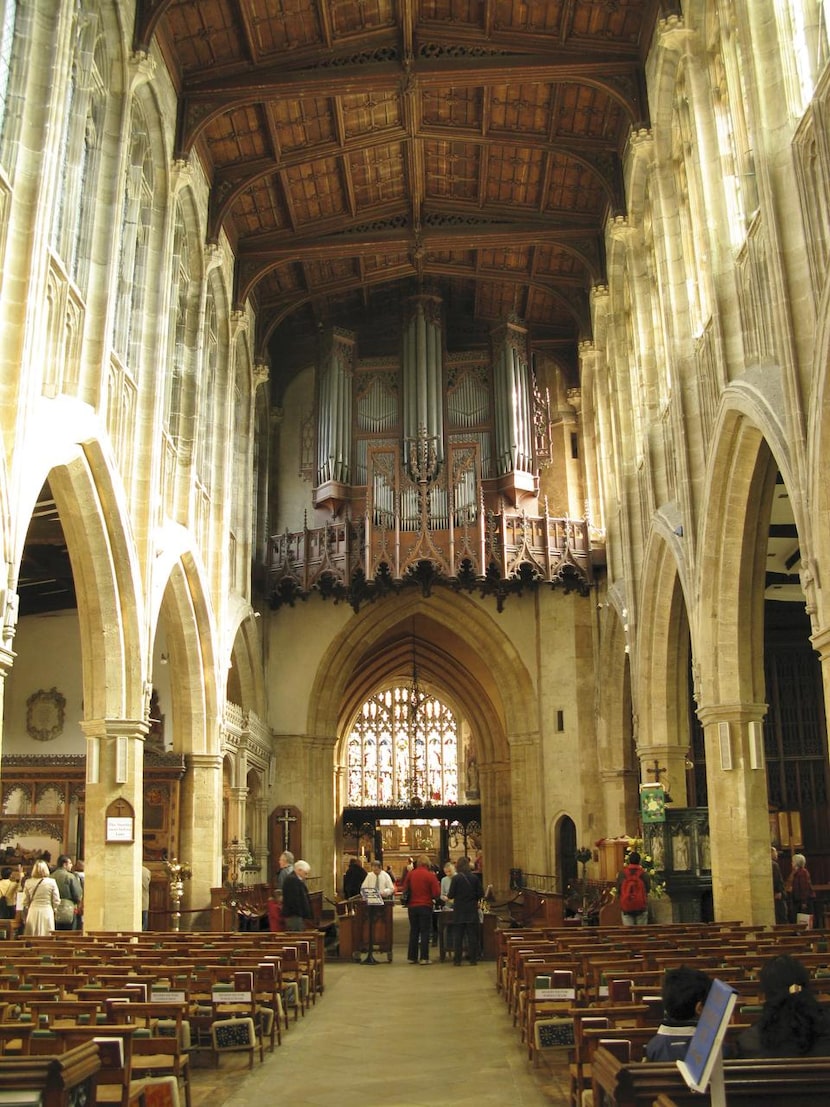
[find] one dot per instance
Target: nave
(391, 1035)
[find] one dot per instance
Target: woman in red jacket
(424, 889)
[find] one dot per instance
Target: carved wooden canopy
(359, 150)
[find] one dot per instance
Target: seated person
(684, 993)
(792, 1023)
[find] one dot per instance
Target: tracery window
(403, 746)
(181, 278)
(803, 36)
(7, 39)
(207, 415)
(691, 212)
(731, 99)
(655, 303)
(135, 230)
(79, 154)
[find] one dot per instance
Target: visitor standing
(423, 887)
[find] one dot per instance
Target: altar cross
(286, 818)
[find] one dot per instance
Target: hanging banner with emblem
(652, 803)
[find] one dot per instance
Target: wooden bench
(762, 1082)
(59, 1081)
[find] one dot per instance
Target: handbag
(405, 895)
(65, 912)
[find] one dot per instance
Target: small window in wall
(574, 446)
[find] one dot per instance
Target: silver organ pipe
(335, 419)
(422, 373)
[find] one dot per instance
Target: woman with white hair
(803, 896)
(40, 898)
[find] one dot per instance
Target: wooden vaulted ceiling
(361, 150)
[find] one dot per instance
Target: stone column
(496, 825)
(526, 777)
(738, 812)
(237, 814)
(821, 642)
(7, 657)
(582, 401)
(670, 760)
(114, 771)
(200, 840)
(571, 430)
(318, 812)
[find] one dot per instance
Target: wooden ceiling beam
(392, 241)
(229, 184)
(201, 104)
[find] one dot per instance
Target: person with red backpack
(633, 886)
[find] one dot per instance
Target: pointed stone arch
(189, 624)
(246, 659)
(663, 649)
(108, 584)
(464, 654)
(728, 643)
(195, 703)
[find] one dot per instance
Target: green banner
(652, 803)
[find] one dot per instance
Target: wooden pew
(762, 1082)
(60, 1081)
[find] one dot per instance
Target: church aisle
(393, 1035)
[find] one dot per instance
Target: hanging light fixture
(413, 791)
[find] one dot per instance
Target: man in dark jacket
(70, 891)
(296, 904)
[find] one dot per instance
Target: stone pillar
(617, 786)
(237, 814)
(526, 778)
(114, 771)
(260, 837)
(581, 400)
(574, 465)
(318, 812)
(422, 387)
(738, 812)
(7, 657)
(496, 825)
(670, 771)
(200, 840)
(821, 642)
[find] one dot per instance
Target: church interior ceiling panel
(359, 152)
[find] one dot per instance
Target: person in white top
(379, 879)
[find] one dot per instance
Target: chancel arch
(461, 653)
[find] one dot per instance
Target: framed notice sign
(119, 822)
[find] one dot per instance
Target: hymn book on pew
(704, 1059)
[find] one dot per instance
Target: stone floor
(392, 1035)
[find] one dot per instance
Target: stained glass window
(403, 747)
